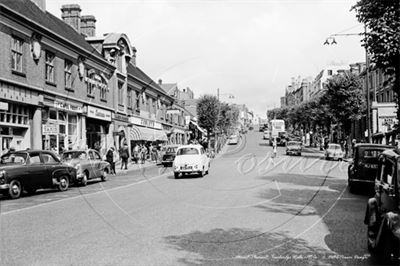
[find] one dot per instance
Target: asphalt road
(251, 209)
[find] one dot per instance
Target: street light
(330, 41)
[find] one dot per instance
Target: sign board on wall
(98, 113)
(386, 118)
(3, 106)
(50, 129)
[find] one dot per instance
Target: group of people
(112, 157)
(141, 152)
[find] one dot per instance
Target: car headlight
(2, 177)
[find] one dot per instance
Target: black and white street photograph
(199, 132)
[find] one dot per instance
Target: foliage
(207, 112)
(228, 117)
(345, 99)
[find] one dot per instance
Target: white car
(234, 139)
(334, 151)
(191, 159)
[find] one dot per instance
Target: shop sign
(50, 129)
(68, 107)
(145, 122)
(173, 112)
(121, 118)
(98, 113)
(3, 106)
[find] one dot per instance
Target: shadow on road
(239, 246)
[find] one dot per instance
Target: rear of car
(293, 147)
(233, 140)
(334, 152)
(364, 166)
(169, 156)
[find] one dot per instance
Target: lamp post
(331, 41)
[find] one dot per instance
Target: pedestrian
(143, 152)
(124, 154)
(274, 147)
(110, 159)
(136, 153)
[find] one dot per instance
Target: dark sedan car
(363, 168)
(169, 155)
(30, 170)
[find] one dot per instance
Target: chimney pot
(160, 81)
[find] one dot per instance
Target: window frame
(18, 52)
(50, 69)
(68, 74)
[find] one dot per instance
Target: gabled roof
(32, 13)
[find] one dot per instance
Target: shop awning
(147, 134)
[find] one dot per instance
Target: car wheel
(176, 175)
(15, 189)
(385, 246)
(202, 173)
(104, 175)
(84, 179)
(63, 183)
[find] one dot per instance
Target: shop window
(16, 114)
(62, 116)
(72, 125)
(16, 54)
(68, 74)
(50, 75)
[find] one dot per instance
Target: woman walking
(110, 158)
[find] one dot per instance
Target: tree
(345, 99)
(382, 19)
(207, 113)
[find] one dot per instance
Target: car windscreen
(171, 150)
(73, 155)
(334, 147)
(187, 151)
(293, 144)
(14, 158)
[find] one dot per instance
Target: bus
(277, 129)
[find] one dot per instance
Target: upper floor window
(137, 105)
(68, 74)
(103, 93)
(50, 67)
(16, 54)
(120, 93)
(90, 86)
(330, 72)
(129, 98)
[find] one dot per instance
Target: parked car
(334, 151)
(364, 164)
(382, 216)
(169, 155)
(88, 165)
(30, 170)
(293, 147)
(191, 159)
(233, 140)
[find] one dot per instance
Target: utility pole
(368, 91)
(218, 93)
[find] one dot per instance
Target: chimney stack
(88, 26)
(160, 82)
(133, 59)
(41, 4)
(71, 14)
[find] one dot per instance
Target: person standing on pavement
(110, 160)
(124, 154)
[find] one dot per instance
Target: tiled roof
(139, 74)
(168, 87)
(30, 11)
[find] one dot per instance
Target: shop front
(61, 125)
(121, 130)
(98, 122)
(146, 131)
(383, 121)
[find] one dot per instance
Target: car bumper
(4, 186)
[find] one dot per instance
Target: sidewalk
(134, 166)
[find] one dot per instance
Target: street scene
(199, 132)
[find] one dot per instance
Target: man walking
(110, 159)
(124, 154)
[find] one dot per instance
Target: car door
(98, 167)
(387, 186)
(203, 158)
(51, 165)
(37, 171)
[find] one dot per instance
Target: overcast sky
(249, 49)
